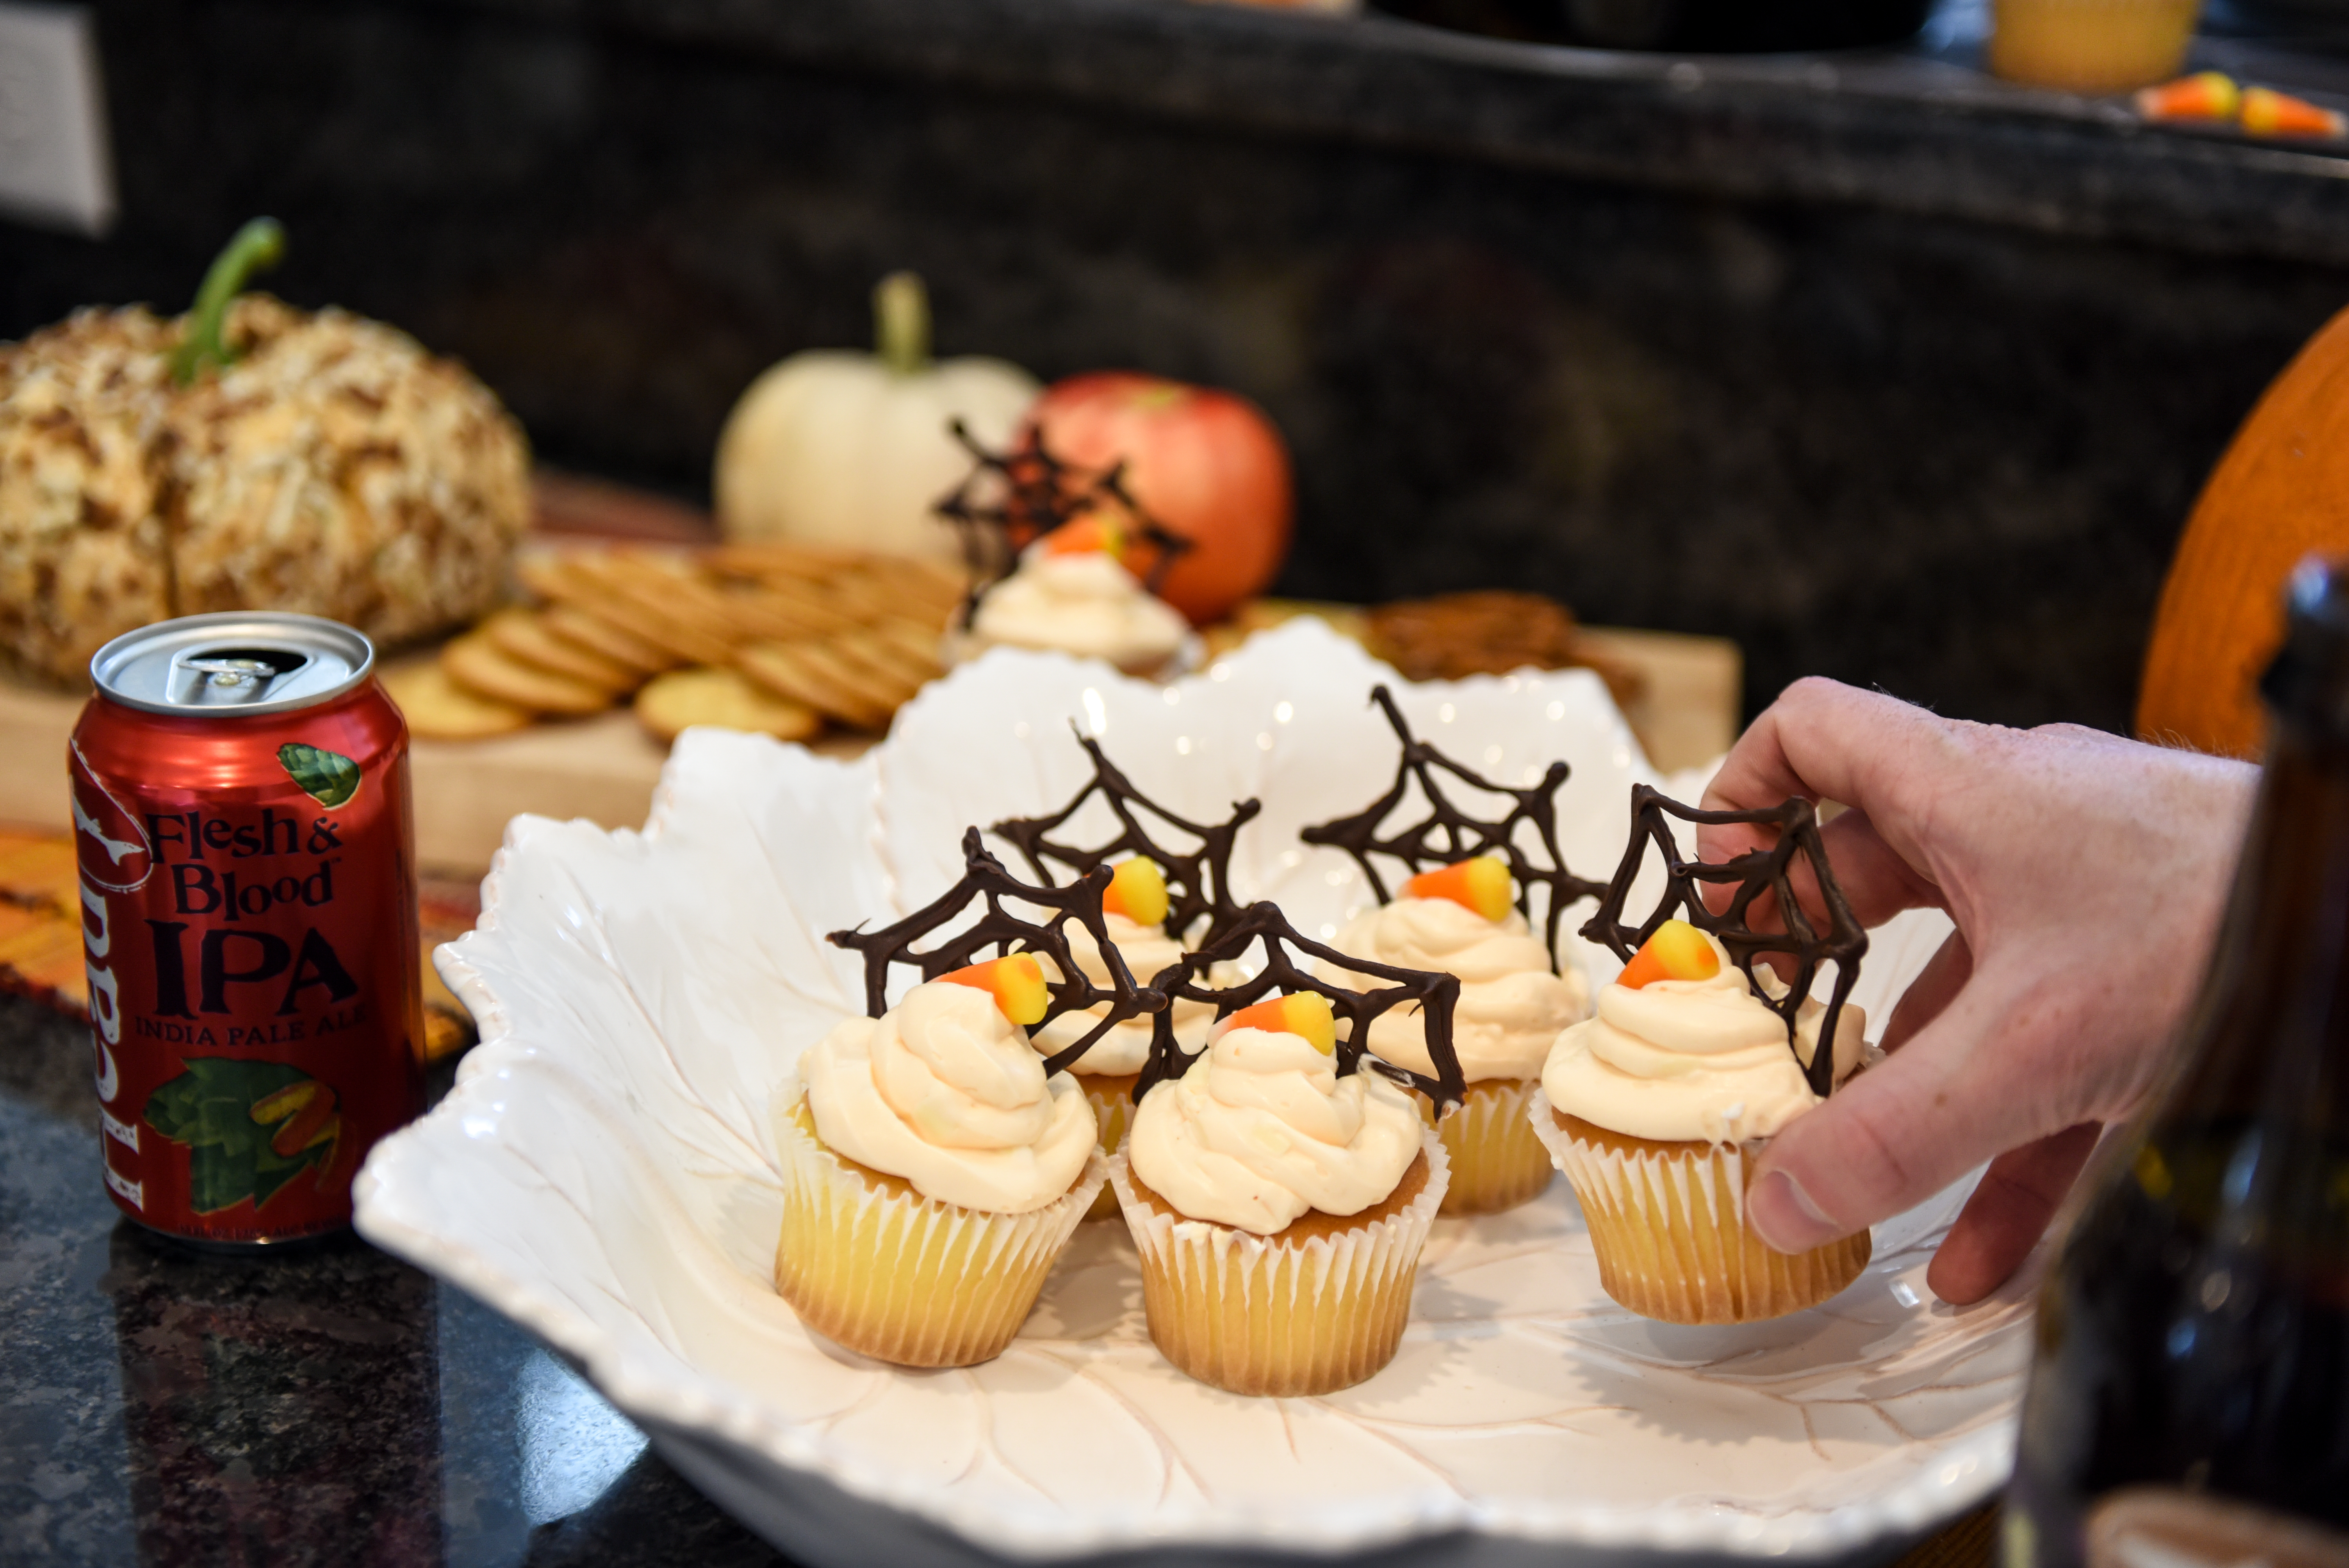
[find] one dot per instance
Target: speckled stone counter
(325, 1407)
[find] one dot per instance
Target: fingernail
(1785, 1218)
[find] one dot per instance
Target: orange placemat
(40, 934)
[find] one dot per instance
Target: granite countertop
(329, 1406)
(1918, 127)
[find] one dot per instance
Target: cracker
(917, 643)
(812, 604)
(865, 598)
(555, 577)
(481, 667)
(523, 635)
(670, 612)
(910, 581)
(724, 697)
(785, 669)
(581, 626)
(902, 674)
(437, 708)
(806, 562)
(763, 617)
(879, 691)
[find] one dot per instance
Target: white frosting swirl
(1080, 602)
(945, 1091)
(1146, 949)
(1511, 1006)
(1262, 1129)
(1694, 1060)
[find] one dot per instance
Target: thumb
(1915, 1122)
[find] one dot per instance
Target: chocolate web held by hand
(1447, 834)
(1435, 993)
(983, 878)
(1755, 871)
(1198, 882)
(1029, 492)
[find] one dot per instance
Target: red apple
(1207, 464)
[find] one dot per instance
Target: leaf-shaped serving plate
(606, 1173)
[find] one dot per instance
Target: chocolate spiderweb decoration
(1448, 834)
(1436, 995)
(1755, 871)
(1037, 492)
(1198, 882)
(983, 878)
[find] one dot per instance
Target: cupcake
(1160, 901)
(1134, 906)
(1073, 594)
(1278, 1205)
(1462, 919)
(1657, 1108)
(933, 1170)
(1466, 911)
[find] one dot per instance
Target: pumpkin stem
(900, 322)
(260, 244)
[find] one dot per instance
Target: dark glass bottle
(2190, 1399)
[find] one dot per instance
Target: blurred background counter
(1888, 370)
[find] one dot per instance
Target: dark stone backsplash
(1885, 438)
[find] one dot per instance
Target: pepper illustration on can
(248, 886)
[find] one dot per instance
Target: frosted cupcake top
(1262, 1128)
(1079, 602)
(1693, 1059)
(1511, 1005)
(945, 1091)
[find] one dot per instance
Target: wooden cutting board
(604, 769)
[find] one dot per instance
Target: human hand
(2086, 876)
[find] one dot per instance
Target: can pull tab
(230, 678)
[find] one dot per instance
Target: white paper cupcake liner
(884, 1271)
(1498, 1160)
(1261, 1314)
(1112, 1102)
(1668, 1225)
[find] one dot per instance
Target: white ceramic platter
(606, 1173)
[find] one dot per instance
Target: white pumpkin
(836, 447)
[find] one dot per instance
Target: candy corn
(1678, 951)
(1087, 534)
(1137, 891)
(2204, 96)
(1016, 982)
(1483, 885)
(2266, 112)
(2213, 98)
(1302, 1013)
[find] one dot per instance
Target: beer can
(246, 844)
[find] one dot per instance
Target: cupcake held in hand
(1279, 1185)
(1467, 916)
(1658, 1107)
(933, 1165)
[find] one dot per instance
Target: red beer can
(246, 845)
